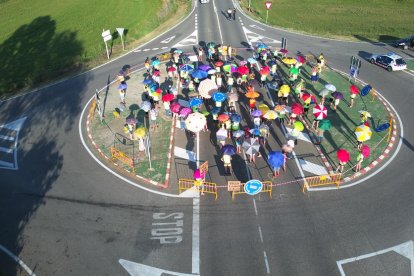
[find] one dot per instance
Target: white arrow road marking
(257, 27)
(9, 136)
(184, 154)
(188, 41)
(254, 37)
(137, 269)
(168, 40)
(405, 249)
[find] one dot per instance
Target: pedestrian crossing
(9, 134)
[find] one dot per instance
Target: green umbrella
(325, 124)
(211, 45)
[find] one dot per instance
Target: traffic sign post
(106, 35)
(354, 67)
(268, 5)
(121, 34)
(253, 187)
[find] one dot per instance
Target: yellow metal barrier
(267, 188)
(322, 180)
(92, 109)
(207, 187)
(123, 157)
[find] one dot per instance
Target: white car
(204, 1)
(390, 61)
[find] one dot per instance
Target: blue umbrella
(122, 86)
(261, 46)
(199, 74)
(216, 110)
(153, 86)
(256, 113)
(147, 81)
(228, 150)
(155, 62)
(178, 51)
(275, 159)
(187, 68)
(251, 60)
(204, 67)
(219, 97)
(255, 131)
(235, 118)
(271, 63)
(195, 102)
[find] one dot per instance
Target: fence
(322, 180)
(267, 188)
(208, 187)
(123, 150)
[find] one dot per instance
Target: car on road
(390, 61)
(405, 43)
(204, 1)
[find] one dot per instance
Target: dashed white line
(255, 207)
(260, 234)
(266, 262)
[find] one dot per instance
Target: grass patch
(368, 20)
(41, 40)
(410, 64)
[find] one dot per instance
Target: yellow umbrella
(289, 60)
(271, 115)
(363, 133)
(365, 113)
(264, 108)
(252, 94)
(284, 89)
(140, 132)
(298, 126)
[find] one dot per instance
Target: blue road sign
(365, 90)
(253, 187)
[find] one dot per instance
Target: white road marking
(15, 126)
(312, 168)
(137, 269)
(409, 72)
(218, 21)
(188, 41)
(17, 260)
(255, 207)
(302, 136)
(184, 154)
(254, 37)
(257, 27)
(190, 193)
(168, 40)
(260, 234)
(405, 249)
(195, 263)
(4, 137)
(266, 262)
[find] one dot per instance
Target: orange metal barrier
(322, 180)
(207, 187)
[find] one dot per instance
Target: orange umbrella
(252, 94)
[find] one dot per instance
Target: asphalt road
(62, 213)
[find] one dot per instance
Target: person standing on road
(234, 14)
(229, 12)
(200, 54)
(227, 163)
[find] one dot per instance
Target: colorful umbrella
(343, 155)
(251, 145)
(140, 132)
(324, 92)
(263, 108)
(238, 133)
(228, 150)
(199, 74)
(211, 44)
(172, 69)
(206, 88)
(284, 89)
(223, 117)
(297, 108)
(147, 81)
(167, 98)
(365, 113)
(289, 60)
(264, 70)
(366, 151)
(155, 62)
(131, 120)
(216, 110)
(280, 108)
(283, 51)
(354, 89)
(270, 115)
(252, 60)
(337, 95)
(146, 106)
(243, 62)
(122, 86)
(276, 159)
(363, 133)
(325, 124)
(205, 113)
(185, 111)
(261, 46)
(306, 97)
(320, 112)
(156, 73)
(195, 102)
(204, 67)
(256, 113)
(233, 96)
(298, 126)
(330, 87)
(211, 71)
(252, 94)
(235, 118)
(186, 68)
(221, 134)
(198, 174)
(178, 51)
(153, 86)
(271, 62)
(243, 70)
(175, 107)
(301, 59)
(230, 68)
(195, 122)
(255, 131)
(218, 63)
(219, 97)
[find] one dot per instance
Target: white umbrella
(206, 88)
(146, 106)
(330, 87)
(195, 122)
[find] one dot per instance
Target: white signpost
(268, 5)
(121, 34)
(106, 35)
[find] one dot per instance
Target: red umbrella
(283, 51)
(366, 151)
(218, 63)
(320, 112)
(301, 59)
(353, 89)
(306, 97)
(175, 107)
(343, 155)
(243, 70)
(297, 108)
(172, 69)
(264, 70)
(156, 73)
(167, 98)
(223, 117)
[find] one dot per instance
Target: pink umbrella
(175, 107)
(343, 155)
(283, 51)
(353, 89)
(366, 151)
(320, 112)
(243, 70)
(301, 59)
(185, 111)
(243, 62)
(172, 69)
(198, 174)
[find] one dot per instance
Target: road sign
(106, 35)
(365, 90)
(268, 5)
(121, 33)
(233, 186)
(204, 168)
(253, 187)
